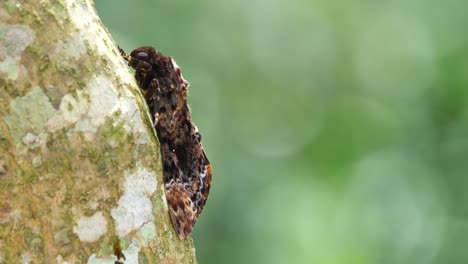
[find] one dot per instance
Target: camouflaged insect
(187, 171)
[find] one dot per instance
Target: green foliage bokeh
(337, 131)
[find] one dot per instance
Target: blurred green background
(337, 130)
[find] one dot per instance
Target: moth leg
(156, 118)
(153, 98)
(123, 54)
(141, 70)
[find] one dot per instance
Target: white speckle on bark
(135, 208)
(89, 229)
(37, 161)
(59, 259)
(25, 258)
(14, 39)
(36, 229)
(29, 138)
(33, 141)
(93, 205)
(103, 260)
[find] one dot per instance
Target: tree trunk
(80, 169)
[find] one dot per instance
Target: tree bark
(80, 169)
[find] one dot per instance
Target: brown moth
(187, 171)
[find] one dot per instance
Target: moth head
(145, 54)
(139, 58)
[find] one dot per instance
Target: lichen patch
(148, 233)
(72, 47)
(131, 213)
(131, 254)
(89, 229)
(72, 108)
(14, 39)
(29, 114)
(101, 260)
(84, 16)
(88, 110)
(130, 113)
(134, 207)
(10, 68)
(140, 183)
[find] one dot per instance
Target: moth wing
(205, 182)
(181, 210)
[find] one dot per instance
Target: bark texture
(80, 173)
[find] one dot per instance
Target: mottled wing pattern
(187, 171)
